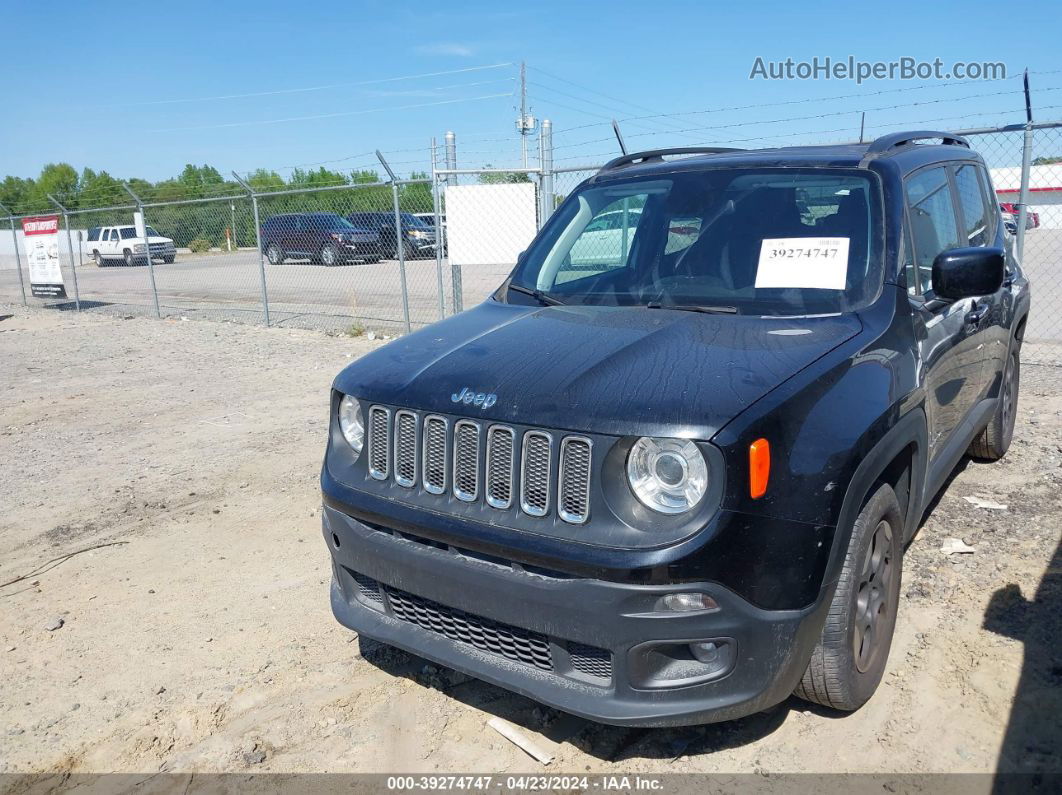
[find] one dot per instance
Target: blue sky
(132, 87)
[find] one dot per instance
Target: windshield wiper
(708, 310)
(543, 298)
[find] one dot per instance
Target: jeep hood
(610, 370)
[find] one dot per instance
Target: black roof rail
(886, 143)
(658, 154)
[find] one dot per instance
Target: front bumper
(599, 649)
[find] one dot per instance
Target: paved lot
(305, 295)
(202, 640)
(300, 294)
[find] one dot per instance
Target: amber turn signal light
(759, 467)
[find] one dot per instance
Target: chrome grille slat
(435, 442)
(405, 457)
(510, 469)
(573, 488)
(379, 442)
(535, 463)
(501, 461)
(466, 460)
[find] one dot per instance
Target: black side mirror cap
(968, 272)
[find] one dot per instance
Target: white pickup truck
(122, 243)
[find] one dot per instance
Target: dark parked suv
(676, 486)
(418, 236)
(324, 238)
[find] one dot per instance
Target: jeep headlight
(351, 423)
(667, 475)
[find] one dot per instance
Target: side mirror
(968, 272)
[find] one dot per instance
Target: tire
(848, 662)
(274, 254)
(97, 259)
(993, 442)
(328, 255)
(127, 256)
(169, 260)
(408, 252)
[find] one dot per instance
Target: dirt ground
(202, 640)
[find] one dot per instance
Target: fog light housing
(705, 652)
(688, 602)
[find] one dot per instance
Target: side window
(972, 201)
(93, 234)
(106, 234)
(934, 227)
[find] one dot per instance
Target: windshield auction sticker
(41, 236)
(803, 262)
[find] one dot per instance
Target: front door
(951, 349)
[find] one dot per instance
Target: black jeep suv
(324, 238)
(669, 479)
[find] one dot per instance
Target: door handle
(977, 314)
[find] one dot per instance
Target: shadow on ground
(607, 743)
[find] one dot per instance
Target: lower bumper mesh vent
(591, 660)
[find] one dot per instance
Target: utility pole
(523, 114)
(525, 125)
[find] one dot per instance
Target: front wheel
(994, 441)
(329, 256)
(849, 660)
(97, 259)
(168, 260)
(274, 255)
(127, 256)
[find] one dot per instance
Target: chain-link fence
(377, 255)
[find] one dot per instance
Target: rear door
(951, 361)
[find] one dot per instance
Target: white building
(1045, 191)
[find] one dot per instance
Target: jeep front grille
(405, 448)
(379, 441)
(573, 497)
(500, 465)
(466, 460)
(506, 468)
(534, 475)
(435, 444)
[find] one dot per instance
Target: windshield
(771, 242)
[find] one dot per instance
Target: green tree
(1046, 161)
(503, 177)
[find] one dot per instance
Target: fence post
(440, 232)
(400, 244)
(455, 268)
(258, 240)
(1026, 166)
(70, 246)
(545, 180)
(147, 249)
(18, 258)
(400, 249)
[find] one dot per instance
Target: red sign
(41, 225)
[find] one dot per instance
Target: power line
(322, 88)
(818, 115)
(819, 99)
(331, 115)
